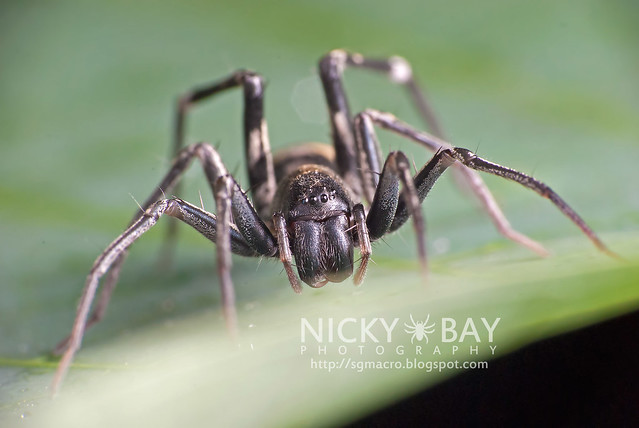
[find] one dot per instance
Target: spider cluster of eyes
(323, 198)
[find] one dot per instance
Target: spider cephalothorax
(312, 204)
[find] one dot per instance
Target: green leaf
(85, 122)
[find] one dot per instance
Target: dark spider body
(317, 212)
(312, 203)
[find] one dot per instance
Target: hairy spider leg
(180, 163)
(399, 70)
(205, 223)
(427, 176)
(247, 235)
(387, 196)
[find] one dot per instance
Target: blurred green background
(86, 102)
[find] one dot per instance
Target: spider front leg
(247, 236)
(428, 175)
(173, 207)
(171, 180)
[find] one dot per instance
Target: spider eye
(324, 198)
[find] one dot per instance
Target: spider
(311, 204)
